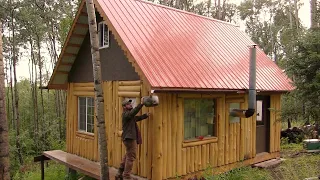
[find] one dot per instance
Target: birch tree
(98, 91)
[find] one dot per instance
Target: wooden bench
(74, 162)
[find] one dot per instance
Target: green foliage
(291, 147)
(35, 137)
(304, 68)
(272, 25)
(291, 107)
(53, 171)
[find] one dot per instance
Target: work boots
(119, 175)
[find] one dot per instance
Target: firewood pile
(297, 134)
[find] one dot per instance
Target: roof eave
(64, 86)
(207, 90)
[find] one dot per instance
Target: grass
(53, 171)
(243, 173)
(296, 166)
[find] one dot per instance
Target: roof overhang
(199, 90)
(71, 47)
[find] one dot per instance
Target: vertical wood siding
(163, 154)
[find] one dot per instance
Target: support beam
(81, 25)
(69, 54)
(78, 35)
(74, 45)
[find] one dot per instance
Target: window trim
(99, 33)
(196, 142)
(84, 132)
(205, 140)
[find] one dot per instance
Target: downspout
(252, 89)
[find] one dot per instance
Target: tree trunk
(99, 104)
(289, 123)
(16, 95)
(12, 99)
(4, 139)
(218, 10)
(179, 4)
(209, 8)
(8, 94)
(35, 125)
(35, 102)
(42, 120)
(296, 13)
(313, 9)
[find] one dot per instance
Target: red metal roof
(177, 49)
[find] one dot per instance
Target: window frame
(205, 140)
(103, 37)
(86, 121)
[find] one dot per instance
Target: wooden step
(268, 164)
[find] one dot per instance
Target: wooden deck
(85, 166)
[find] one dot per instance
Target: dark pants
(129, 157)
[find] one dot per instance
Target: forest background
(34, 32)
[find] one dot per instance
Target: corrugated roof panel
(177, 49)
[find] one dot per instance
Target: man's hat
(126, 101)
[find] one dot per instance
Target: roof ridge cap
(186, 12)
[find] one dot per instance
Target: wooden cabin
(199, 69)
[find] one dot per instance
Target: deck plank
(85, 166)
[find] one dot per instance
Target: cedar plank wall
(86, 145)
(235, 141)
(163, 153)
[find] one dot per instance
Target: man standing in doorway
(131, 136)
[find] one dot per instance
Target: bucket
(151, 101)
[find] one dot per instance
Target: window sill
(104, 47)
(85, 135)
(196, 142)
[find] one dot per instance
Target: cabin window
(199, 118)
(86, 114)
(103, 33)
(259, 112)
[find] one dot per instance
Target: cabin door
(263, 124)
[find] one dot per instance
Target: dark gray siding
(114, 64)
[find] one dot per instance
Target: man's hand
(141, 101)
(148, 114)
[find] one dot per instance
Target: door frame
(266, 112)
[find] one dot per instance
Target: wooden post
(221, 130)
(72, 174)
(212, 154)
(216, 150)
(192, 159)
(169, 131)
(179, 135)
(157, 159)
(196, 160)
(184, 161)
(174, 135)
(188, 161)
(42, 169)
(203, 156)
(227, 149)
(164, 138)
